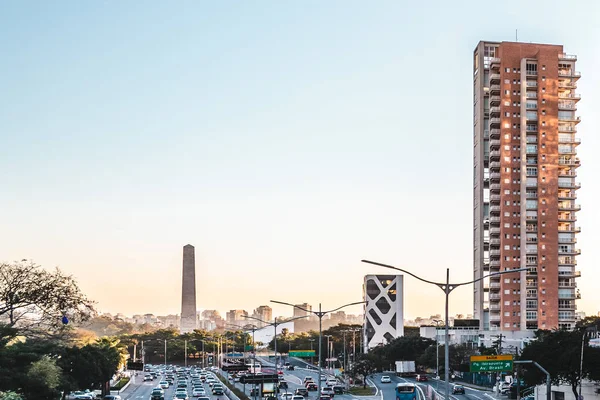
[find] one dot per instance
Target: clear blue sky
(285, 140)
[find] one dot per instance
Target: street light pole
(437, 349)
(165, 352)
(447, 288)
(328, 359)
(585, 332)
(319, 315)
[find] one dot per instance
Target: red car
(421, 378)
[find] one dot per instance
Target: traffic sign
(503, 362)
(302, 353)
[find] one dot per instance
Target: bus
(406, 391)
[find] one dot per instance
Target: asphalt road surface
(140, 390)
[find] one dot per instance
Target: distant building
(300, 313)
(263, 312)
(384, 312)
(236, 317)
(169, 321)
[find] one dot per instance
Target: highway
(388, 389)
(138, 390)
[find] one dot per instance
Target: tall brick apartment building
(525, 187)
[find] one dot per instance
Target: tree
(32, 298)
(559, 352)
(10, 396)
(364, 366)
(43, 377)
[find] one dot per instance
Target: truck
(405, 368)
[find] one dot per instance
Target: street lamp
(275, 324)
(328, 359)
(587, 330)
(253, 328)
(437, 349)
(447, 288)
(319, 315)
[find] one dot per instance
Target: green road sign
(491, 363)
(302, 353)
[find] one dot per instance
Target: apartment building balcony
(567, 106)
(569, 185)
(569, 228)
(571, 306)
(494, 145)
(575, 119)
(569, 207)
(495, 165)
(570, 140)
(570, 252)
(567, 240)
(562, 195)
(494, 296)
(567, 57)
(495, 242)
(495, 134)
(494, 197)
(494, 78)
(494, 220)
(569, 73)
(494, 264)
(567, 284)
(569, 96)
(567, 217)
(494, 231)
(494, 100)
(494, 89)
(494, 317)
(532, 84)
(495, 122)
(494, 111)
(495, 177)
(567, 172)
(494, 63)
(495, 253)
(494, 154)
(574, 161)
(567, 128)
(495, 286)
(567, 85)
(495, 187)
(495, 209)
(494, 307)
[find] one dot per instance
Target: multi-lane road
(139, 390)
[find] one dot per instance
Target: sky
(285, 140)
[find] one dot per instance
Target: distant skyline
(285, 141)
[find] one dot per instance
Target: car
(311, 386)
(297, 397)
(290, 367)
(324, 397)
(157, 396)
(458, 389)
(112, 397)
(338, 389)
(204, 398)
(301, 392)
(181, 396)
(84, 397)
(197, 392)
(421, 378)
(182, 384)
(327, 391)
(281, 377)
(164, 384)
(217, 391)
(331, 382)
(288, 396)
(180, 390)
(283, 385)
(148, 377)
(386, 379)
(307, 379)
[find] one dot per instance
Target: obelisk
(188, 291)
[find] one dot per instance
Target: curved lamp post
(447, 288)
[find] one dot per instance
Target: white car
(287, 396)
(164, 384)
(331, 382)
(386, 379)
(198, 393)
